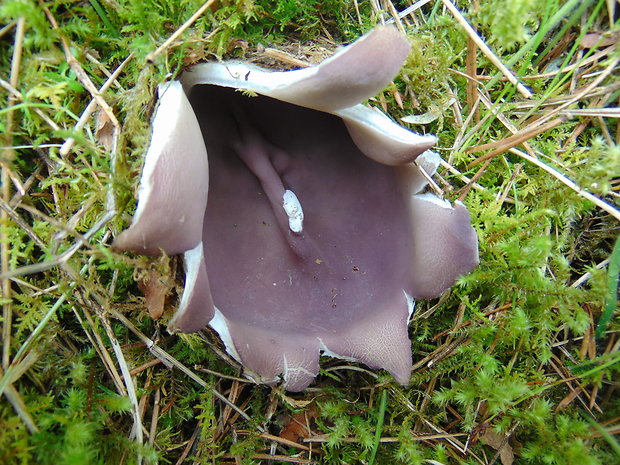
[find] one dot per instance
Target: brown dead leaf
(500, 443)
(104, 129)
(155, 289)
(598, 40)
(298, 426)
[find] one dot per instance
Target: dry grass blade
(598, 112)
(395, 16)
(486, 50)
(286, 58)
(609, 208)
(409, 10)
(7, 157)
(20, 407)
(79, 71)
(472, 74)
(286, 442)
(129, 385)
(154, 417)
(517, 138)
(586, 91)
(86, 114)
(102, 351)
(199, 12)
(508, 124)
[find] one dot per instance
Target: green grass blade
(379, 430)
(615, 446)
(611, 300)
(104, 17)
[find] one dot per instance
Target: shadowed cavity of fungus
(314, 237)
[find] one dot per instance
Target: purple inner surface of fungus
(349, 264)
(344, 263)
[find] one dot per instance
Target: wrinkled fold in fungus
(315, 237)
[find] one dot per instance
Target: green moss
(509, 23)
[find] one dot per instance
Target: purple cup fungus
(315, 237)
